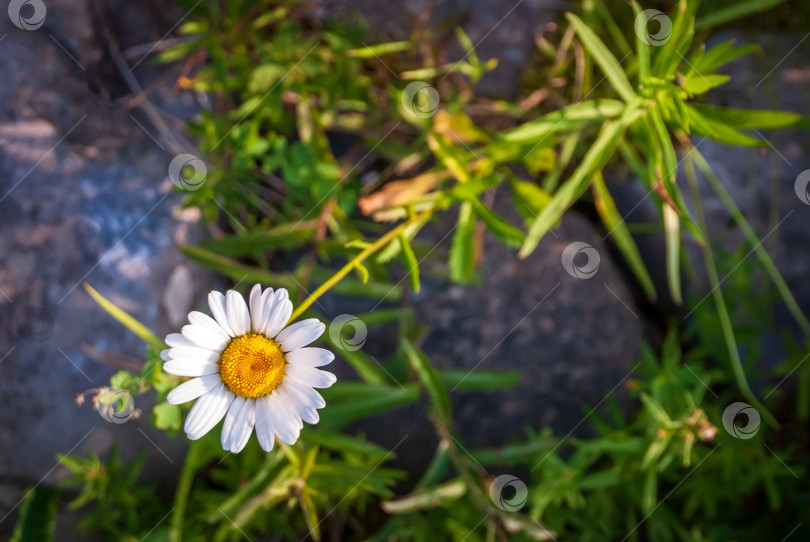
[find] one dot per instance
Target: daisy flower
(249, 369)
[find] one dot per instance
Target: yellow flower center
(252, 365)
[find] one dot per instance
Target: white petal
(264, 424)
(238, 315)
(176, 339)
(310, 356)
(256, 308)
(266, 302)
(310, 396)
(290, 407)
(216, 302)
(286, 422)
(300, 401)
(188, 391)
(238, 424)
(300, 334)
(164, 354)
(209, 324)
(247, 427)
(190, 367)
(208, 411)
(195, 352)
(201, 337)
(231, 416)
(243, 427)
(310, 376)
(281, 311)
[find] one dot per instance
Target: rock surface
(502, 29)
(84, 197)
(574, 341)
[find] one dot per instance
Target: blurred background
(97, 99)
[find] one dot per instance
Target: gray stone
(84, 197)
(502, 29)
(574, 341)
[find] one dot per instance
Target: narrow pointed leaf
(613, 71)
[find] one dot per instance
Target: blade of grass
(182, 492)
(128, 321)
(720, 303)
(642, 47)
(751, 236)
(575, 186)
(430, 380)
(615, 224)
(607, 62)
(672, 228)
(411, 263)
(734, 11)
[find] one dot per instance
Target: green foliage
(37, 515)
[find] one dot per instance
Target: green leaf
(600, 480)
(575, 186)
(499, 227)
(250, 274)
(371, 51)
(37, 515)
(374, 401)
(670, 171)
(616, 227)
(718, 130)
(366, 367)
(734, 11)
(430, 380)
(607, 62)
(572, 117)
(540, 159)
(411, 263)
(708, 61)
(425, 499)
(362, 272)
(462, 251)
(530, 199)
(310, 515)
(673, 252)
(264, 77)
(478, 380)
(343, 443)
(128, 321)
(284, 236)
(238, 271)
(669, 54)
(750, 119)
(700, 84)
(167, 417)
(451, 157)
(642, 45)
(515, 453)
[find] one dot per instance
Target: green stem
(360, 258)
(257, 481)
(751, 236)
(182, 492)
(722, 310)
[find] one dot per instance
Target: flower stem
(354, 262)
(182, 492)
